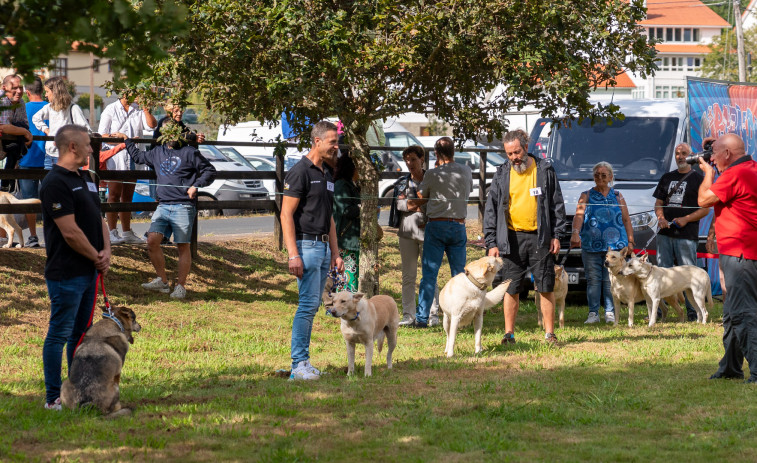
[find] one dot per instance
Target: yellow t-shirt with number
(522, 204)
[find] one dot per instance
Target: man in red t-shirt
(734, 196)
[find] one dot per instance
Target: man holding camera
(678, 215)
(734, 196)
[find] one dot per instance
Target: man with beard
(678, 214)
(523, 219)
(309, 231)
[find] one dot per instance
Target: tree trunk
(368, 182)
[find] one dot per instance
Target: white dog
(464, 299)
(561, 291)
(365, 321)
(7, 221)
(627, 289)
(657, 283)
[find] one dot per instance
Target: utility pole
(740, 40)
(92, 89)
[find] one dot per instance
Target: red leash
(100, 280)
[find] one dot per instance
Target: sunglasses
(597, 175)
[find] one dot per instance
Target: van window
(638, 148)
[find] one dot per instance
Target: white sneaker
(433, 320)
(312, 368)
(54, 406)
(304, 371)
(593, 318)
(115, 238)
(407, 320)
(178, 292)
(610, 317)
(157, 285)
(131, 238)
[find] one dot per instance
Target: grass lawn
(201, 378)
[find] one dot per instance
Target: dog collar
(114, 319)
(356, 316)
(479, 285)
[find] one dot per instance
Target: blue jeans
(316, 257)
(677, 251)
(29, 186)
(440, 237)
(70, 313)
(597, 281)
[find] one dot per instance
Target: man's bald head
(726, 150)
(734, 143)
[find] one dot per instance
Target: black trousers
(739, 318)
(10, 163)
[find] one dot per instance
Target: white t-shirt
(71, 115)
(116, 119)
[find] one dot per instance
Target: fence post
(482, 187)
(278, 234)
(193, 243)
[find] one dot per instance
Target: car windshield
(234, 156)
(211, 153)
(261, 164)
(639, 148)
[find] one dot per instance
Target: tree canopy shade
(464, 61)
(126, 31)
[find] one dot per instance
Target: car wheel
(207, 212)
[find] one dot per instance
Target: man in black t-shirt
(77, 246)
(310, 238)
(678, 215)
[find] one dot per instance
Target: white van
(640, 149)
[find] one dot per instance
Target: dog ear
(624, 252)
(357, 296)
(644, 257)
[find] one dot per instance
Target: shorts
(29, 186)
(119, 161)
(526, 255)
(174, 218)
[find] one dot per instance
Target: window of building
(59, 67)
(674, 34)
(679, 63)
(96, 65)
(695, 35)
(678, 35)
(669, 34)
(693, 64)
(687, 34)
(670, 91)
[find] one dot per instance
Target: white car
(264, 164)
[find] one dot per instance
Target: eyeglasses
(598, 175)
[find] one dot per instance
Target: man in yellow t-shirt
(524, 216)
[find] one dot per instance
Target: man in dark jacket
(181, 171)
(523, 219)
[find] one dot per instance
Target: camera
(706, 154)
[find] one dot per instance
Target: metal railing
(250, 204)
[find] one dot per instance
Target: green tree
(362, 60)
(83, 101)
(722, 62)
(725, 9)
(126, 31)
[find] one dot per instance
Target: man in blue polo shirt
(77, 245)
(310, 237)
(35, 157)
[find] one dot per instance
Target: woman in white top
(61, 111)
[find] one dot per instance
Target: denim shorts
(29, 186)
(174, 218)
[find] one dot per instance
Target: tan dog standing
(8, 223)
(561, 291)
(464, 299)
(658, 282)
(95, 372)
(627, 289)
(365, 321)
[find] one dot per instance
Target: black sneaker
(508, 339)
(417, 324)
(32, 242)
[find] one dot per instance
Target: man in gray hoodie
(523, 219)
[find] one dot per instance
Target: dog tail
(496, 295)
(380, 340)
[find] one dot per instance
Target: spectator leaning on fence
(678, 215)
(123, 117)
(309, 233)
(444, 190)
(14, 148)
(180, 170)
(601, 222)
(410, 221)
(524, 217)
(174, 113)
(77, 246)
(61, 111)
(34, 158)
(734, 196)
